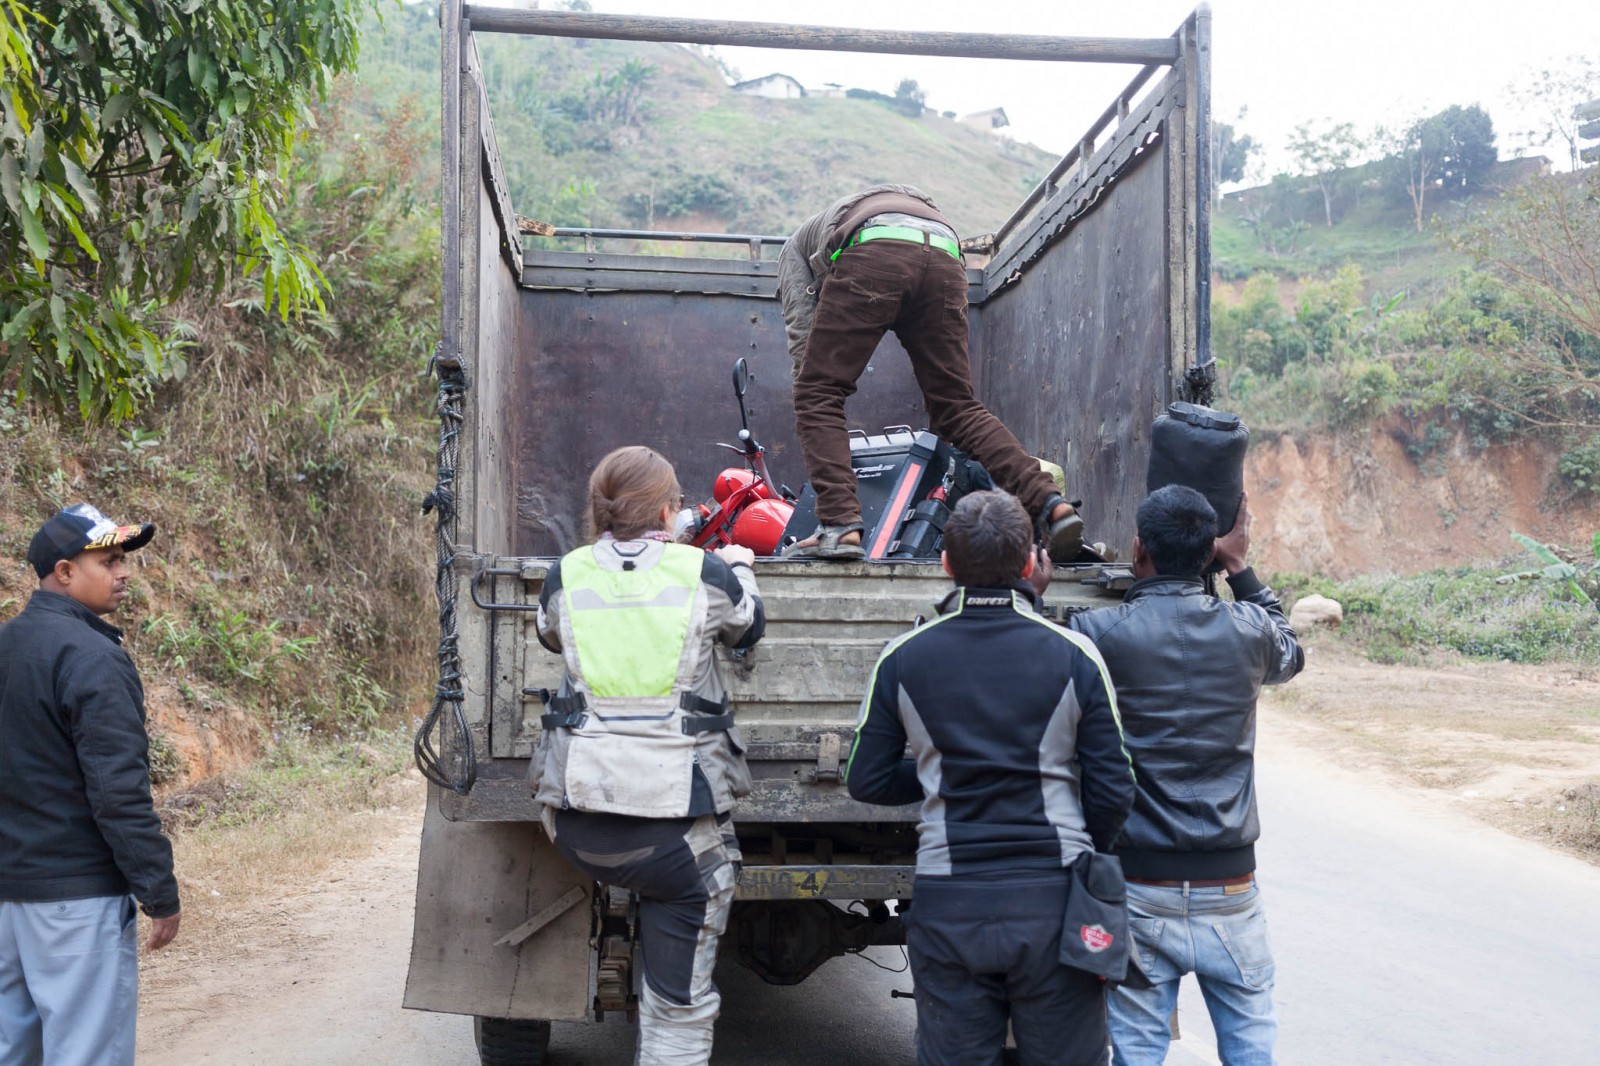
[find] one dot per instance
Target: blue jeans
(1222, 940)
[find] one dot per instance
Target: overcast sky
(1287, 61)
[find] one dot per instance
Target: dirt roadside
(315, 973)
(1516, 745)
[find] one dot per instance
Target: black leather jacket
(1187, 669)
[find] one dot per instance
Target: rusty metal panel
(1076, 355)
(1082, 188)
(567, 269)
(450, 184)
(800, 687)
(502, 795)
(598, 370)
(507, 239)
(476, 882)
(526, 20)
(606, 271)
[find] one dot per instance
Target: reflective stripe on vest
(629, 626)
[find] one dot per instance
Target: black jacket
(1017, 754)
(1188, 668)
(76, 818)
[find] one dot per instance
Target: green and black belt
(902, 233)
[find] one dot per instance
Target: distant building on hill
(992, 119)
(831, 90)
(772, 87)
(1509, 173)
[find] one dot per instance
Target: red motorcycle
(747, 508)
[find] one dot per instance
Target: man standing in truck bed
(1017, 757)
(880, 259)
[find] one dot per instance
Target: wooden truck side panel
(1096, 299)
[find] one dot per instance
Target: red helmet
(732, 480)
(760, 526)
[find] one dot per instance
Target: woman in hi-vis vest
(639, 762)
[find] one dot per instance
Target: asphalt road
(1405, 933)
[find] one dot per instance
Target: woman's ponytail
(628, 490)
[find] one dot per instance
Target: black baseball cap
(81, 528)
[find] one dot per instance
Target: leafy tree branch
(143, 149)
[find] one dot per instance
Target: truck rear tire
(511, 1041)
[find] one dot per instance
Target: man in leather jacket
(1188, 668)
(883, 259)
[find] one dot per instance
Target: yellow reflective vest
(640, 724)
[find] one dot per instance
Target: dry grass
(290, 584)
(242, 838)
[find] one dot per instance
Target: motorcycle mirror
(741, 382)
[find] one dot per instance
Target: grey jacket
(804, 262)
(632, 754)
(1188, 668)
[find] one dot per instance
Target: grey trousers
(69, 982)
(684, 871)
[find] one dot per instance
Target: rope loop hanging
(443, 746)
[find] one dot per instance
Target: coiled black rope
(448, 765)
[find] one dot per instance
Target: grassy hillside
(1475, 327)
(286, 599)
(619, 134)
(1376, 235)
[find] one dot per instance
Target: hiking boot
(826, 543)
(1063, 534)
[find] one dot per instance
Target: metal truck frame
(1089, 316)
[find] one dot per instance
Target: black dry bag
(1203, 449)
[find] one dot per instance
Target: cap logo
(1095, 937)
(116, 536)
(102, 528)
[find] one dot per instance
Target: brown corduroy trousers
(919, 292)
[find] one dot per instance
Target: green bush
(1326, 310)
(1259, 334)
(166, 764)
(1579, 466)
(1371, 389)
(1467, 611)
(227, 645)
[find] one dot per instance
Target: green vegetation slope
(618, 134)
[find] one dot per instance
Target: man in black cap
(80, 842)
